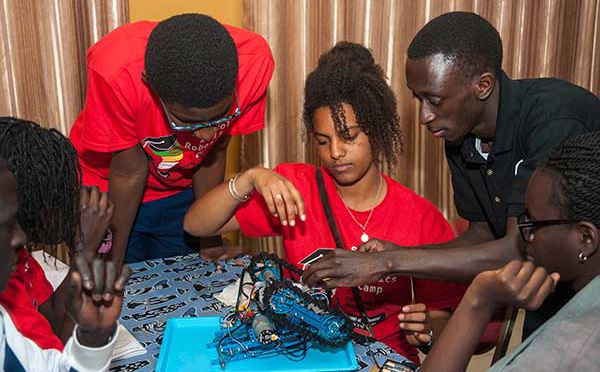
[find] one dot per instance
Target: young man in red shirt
(163, 100)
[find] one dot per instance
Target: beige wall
(226, 11)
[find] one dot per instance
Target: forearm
(453, 348)
(212, 213)
(453, 264)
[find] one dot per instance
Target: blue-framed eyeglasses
(202, 125)
(527, 227)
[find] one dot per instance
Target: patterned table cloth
(184, 286)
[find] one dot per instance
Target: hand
(376, 245)
(519, 284)
(415, 321)
(224, 252)
(95, 299)
(344, 268)
(281, 196)
(96, 213)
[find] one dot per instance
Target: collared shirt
(534, 116)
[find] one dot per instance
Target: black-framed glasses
(207, 124)
(527, 227)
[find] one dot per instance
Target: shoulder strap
(328, 213)
(340, 244)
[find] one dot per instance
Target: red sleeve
(109, 115)
(437, 295)
(253, 80)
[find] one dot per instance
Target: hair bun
(345, 52)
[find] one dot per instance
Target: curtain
(540, 38)
(42, 51)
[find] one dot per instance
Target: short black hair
(573, 167)
(348, 74)
(467, 38)
(48, 174)
(192, 60)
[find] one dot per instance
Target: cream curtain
(540, 37)
(42, 51)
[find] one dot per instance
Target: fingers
(99, 279)
(415, 318)
(373, 245)
(122, 279)
(84, 271)
(282, 198)
(109, 280)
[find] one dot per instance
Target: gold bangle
(233, 191)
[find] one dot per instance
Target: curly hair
(48, 174)
(348, 74)
(573, 167)
(191, 60)
(463, 37)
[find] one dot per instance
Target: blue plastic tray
(184, 350)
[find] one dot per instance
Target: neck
(360, 196)
(486, 129)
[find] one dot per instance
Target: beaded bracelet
(233, 191)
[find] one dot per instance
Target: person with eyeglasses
(495, 131)
(163, 100)
(561, 232)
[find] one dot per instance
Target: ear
(588, 236)
(485, 86)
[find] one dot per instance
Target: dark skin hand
(96, 212)
(126, 184)
(96, 297)
(519, 284)
(460, 259)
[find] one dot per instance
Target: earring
(582, 257)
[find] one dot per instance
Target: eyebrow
(324, 135)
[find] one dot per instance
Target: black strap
(340, 244)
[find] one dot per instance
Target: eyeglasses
(206, 124)
(528, 227)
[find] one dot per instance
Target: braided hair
(48, 174)
(573, 167)
(348, 74)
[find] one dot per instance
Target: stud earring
(582, 257)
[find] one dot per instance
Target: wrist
(475, 301)
(95, 337)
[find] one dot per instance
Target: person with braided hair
(351, 114)
(54, 211)
(163, 100)
(561, 229)
(90, 345)
(495, 131)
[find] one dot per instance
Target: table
(183, 286)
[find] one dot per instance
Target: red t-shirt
(402, 217)
(121, 111)
(27, 289)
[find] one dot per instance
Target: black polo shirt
(534, 116)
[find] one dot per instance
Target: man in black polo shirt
(496, 131)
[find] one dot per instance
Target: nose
(337, 149)
(426, 116)
(19, 238)
(205, 134)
